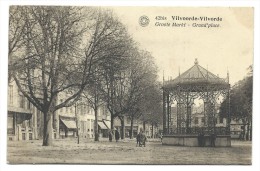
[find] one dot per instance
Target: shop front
(19, 124)
(68, 127)
(103, 129)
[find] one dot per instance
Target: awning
(18, 110)
(69, 124)
(107, 123)
(21, 114)
(102, 125)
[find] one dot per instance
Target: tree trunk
(96, 124)
(48, 129)
(248, 130)
(112, 126)
(122, 127)
(112, 122)
(144, 126)
(131, 128)
(152, 131)
(251, 130)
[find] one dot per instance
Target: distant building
(238, 129)
(197, 118)
(25, 122)
(138, 125)
(81, 116)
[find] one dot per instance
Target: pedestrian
(212, 140)
(116, 135)
(161, 136)
(143, 139)
(201, 140)
(110, 136)
(138, 139)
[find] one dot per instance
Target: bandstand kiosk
(196, 83)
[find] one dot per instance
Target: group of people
(140, 138)
(110, 135)
(202, 140)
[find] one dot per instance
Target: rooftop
(197, 75)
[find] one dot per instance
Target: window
(22, 101)
(196, 120)
(221, 120)
(30, 136)
(88, 124)
(23, 136)
(11, 95)
(203, 120)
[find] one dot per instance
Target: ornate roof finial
(196, 61)
(163, 77)
(227, 75)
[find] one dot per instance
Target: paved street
(125, 152)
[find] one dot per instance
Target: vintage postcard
(130, 85)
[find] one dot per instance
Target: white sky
(229, 47)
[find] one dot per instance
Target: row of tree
(85, 53)
(241, 100)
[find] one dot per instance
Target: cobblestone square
(126, 152)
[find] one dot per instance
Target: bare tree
(62, 47)
(17, 24)
(125, 86)
(153, 108)
(114, 63)
(93, 96)
(145, 93)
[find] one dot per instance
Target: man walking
(117, 135)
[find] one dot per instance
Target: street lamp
(77, 122)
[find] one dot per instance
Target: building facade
(21, 116)
(25, 122)
(81, 117)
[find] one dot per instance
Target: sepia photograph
(130, 85)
